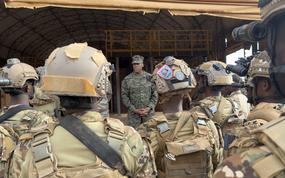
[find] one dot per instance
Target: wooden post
(118, 93)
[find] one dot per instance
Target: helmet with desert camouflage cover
(17, 74)
(173, 75)
(76, 70)
(216, 73)
(259, 67)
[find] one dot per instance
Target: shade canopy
(237, 9)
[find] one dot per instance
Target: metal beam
(62, 24)
(27, 26)
(82, 24)
(153, 21)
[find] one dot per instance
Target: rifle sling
(94, 143)
(13, 111)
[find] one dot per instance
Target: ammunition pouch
(187, 159)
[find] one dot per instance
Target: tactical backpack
(194, 155)
(272, 135)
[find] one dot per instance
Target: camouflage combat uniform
(265, 160)
(17, 126)
(240, 98)
(51, 150)
(186, 143)
(138, 91)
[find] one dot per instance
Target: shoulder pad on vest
(210, 104)
(91, 116)
(266, 111)
(115, 124)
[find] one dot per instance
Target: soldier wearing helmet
(225, 111)
(267, 102)
(212, 78)
(17, 80)
(236, 92)
(83, 144)
(266, 159)
(49, 104)
(185, 143)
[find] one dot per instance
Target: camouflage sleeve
(235, 166)
(154, 96)
(125, 96)
(138, 155)
(7, 145)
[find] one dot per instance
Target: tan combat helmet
(259, 67)
(18, 73)
(76, 70)
(216, 73)
(173, 75)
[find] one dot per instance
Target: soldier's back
(185, 144)
(261, 114)
(54, 152)
(265, 160)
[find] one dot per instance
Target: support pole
(118, 94)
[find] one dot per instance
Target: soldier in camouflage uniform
(224, 111)
(103, 105)
(186, 144)
(268, 103)
(49, 104)
(17, 119)
(139, 94)
(53, 150)
(235, 92)
(267, 159)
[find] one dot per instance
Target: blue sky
(231, 58)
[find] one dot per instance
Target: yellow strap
(268, 167)
(181, 122)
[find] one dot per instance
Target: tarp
(237, 9)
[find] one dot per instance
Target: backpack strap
(94, 143)
(181, 122)
(13, 111)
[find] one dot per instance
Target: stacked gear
(17, 74)
(91, 143)
(173, 76)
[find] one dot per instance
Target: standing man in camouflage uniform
(139, 94)
(267, 159)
